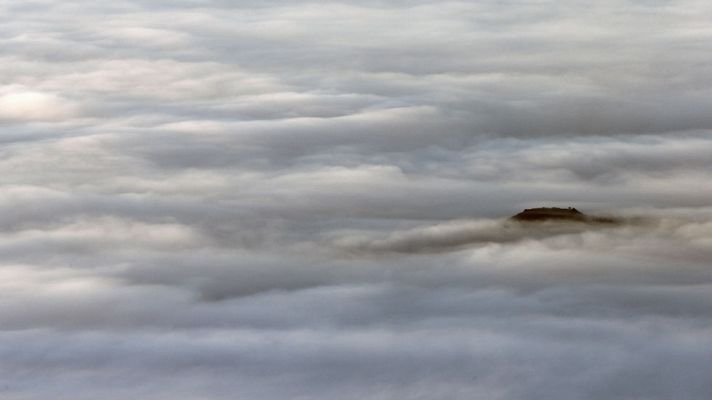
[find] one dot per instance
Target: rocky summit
(559, 214)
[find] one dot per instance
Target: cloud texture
(208, 199)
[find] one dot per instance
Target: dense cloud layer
(301, 200)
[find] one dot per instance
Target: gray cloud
(456, 235)
(290, 199)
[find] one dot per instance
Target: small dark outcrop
(560, 214)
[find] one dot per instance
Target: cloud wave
(295, 200)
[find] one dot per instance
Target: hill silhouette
(560, 214)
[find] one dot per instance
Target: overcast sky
(269, 200)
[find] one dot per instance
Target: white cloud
(26, 105)
(284, 199)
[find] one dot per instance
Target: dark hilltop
(561, 214)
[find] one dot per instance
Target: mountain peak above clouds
(541, 214)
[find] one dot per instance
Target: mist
(208, 199)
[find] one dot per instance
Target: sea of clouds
(213, 199)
